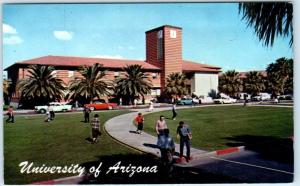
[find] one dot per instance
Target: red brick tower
(164, 50)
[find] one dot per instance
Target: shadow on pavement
(151, 145)
(269, 147)
(133, 131)
(178, 175)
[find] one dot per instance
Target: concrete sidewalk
(122, 129)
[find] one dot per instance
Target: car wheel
(110, 108)
(92, 108)
(42, 111)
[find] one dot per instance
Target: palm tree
(91, 85)
(254, 83)
(41, 85)
(135, 83)
(269, 19)
(230, 83)
(176, 85)
(278, 74)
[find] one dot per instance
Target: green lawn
(226, 126)
(60, 142)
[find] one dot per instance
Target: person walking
(10, 114)
(51, 112)
(185, 135)
(167, 147)
(95, 128)
(135, 102)
(151, 108)
(86, 113)
(139, 122)
(120, 102)
(174, 111)
(48, 116)
(160, 126)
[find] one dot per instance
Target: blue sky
(213, 33)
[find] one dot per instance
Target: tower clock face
(160, 34)
(173, 33)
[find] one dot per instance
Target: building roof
(80, 61)
(161, 27)
(190, 66)
(67, 61)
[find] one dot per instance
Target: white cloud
(63, 35)
(12, 40)
(109, 56)
(7, 29)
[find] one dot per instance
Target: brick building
(163, 57)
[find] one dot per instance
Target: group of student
(165, 141)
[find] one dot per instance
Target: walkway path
(122, 129)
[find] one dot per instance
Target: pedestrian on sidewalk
(95, 128)
(120, 102)
(167, 148)
(135, 101)
(174, 111)
(139, 122)
(86, 114)
(151, 108)
(185, 135)
(10, 114)
(160, 126)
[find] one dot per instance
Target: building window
(172, 33)
(160, 49)
(70, 73)
(155, 92)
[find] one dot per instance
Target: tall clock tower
(164, 50)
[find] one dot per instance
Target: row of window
(116, 74)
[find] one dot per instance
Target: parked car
(285, 97)
(224, 100)
(98, 105)
(57, 107)
(206, 99)
(185, 101)
(262, 97)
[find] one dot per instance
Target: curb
(229, 150)
(221, 152)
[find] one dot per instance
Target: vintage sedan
(185, 101)
(225, 100)
(98, 105)
(57, 107)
